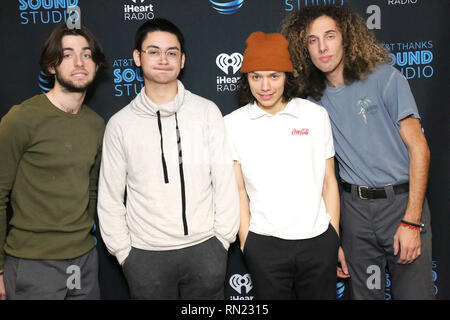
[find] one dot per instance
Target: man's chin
(71, 86)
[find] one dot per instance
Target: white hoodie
(174, 198)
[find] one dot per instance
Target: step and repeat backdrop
(415, 32)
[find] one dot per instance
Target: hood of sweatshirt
(144, 107)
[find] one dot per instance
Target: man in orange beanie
(284, 161)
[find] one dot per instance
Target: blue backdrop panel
(415, 31)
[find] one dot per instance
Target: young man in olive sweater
(50, 146)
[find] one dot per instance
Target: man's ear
(137, 57)
(51, 70)
(183, 59)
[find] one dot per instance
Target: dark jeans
(196, 272)
(293, 269)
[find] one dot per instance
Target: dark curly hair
(245, 95)
(362, 52)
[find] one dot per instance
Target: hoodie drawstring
(183, 192)
(163, 159)
(180, 161)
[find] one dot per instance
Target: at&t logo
(44, 85)
(340, 288)
(128, 79)
(229, 64)
(435, 276)
(226, 7)
(242, 285)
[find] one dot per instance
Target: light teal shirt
(365, 119)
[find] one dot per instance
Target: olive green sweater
(49, 162)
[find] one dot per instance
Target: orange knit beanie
(266, 52)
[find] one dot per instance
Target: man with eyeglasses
(168, 151)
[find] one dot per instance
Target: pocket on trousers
(217, 241)
(244, 249)
(127, 259)
(24, 279)
(10, 275)
(337, 238)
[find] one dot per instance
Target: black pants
(293, 269)
(196, 272)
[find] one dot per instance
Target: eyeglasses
(156, 54)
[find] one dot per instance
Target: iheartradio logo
(230, 65)
(300, 132)
(241, 283)
(224, 61)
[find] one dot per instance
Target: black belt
(367, 193)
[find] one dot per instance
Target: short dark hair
(52, 51)
(245, 94)
(158, 24)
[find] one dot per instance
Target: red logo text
(300, 132)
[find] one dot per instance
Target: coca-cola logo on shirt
(300, 132)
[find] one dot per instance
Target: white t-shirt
(283, 159)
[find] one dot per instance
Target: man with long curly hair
(382, 153)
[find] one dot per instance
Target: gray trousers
(72, 279)
(368, 229)
(196, 272)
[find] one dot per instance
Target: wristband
(1, 273)
(413, 224)
(410, 225)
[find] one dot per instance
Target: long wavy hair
(362, 52)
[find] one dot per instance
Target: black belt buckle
(360, 192)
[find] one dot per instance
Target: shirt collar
(256, 112)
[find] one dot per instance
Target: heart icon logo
(237, 282)
(224, 61)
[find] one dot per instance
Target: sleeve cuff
(122, 255)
